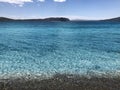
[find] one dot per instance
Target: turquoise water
(59, 47)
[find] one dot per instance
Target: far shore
(62, 19)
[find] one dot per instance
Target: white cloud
(41, 0)
(59, 0)
(19, 2)
(53, 0)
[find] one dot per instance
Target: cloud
(19, 2)
(53, 0)
(41, 0)
(59, 0)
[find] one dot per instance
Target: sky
(73, 9)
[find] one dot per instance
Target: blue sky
(74, 9)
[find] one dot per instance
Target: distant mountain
(62, 19)
(113, 19)
(5, 19)
(57, 19)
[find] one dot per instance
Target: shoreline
(61, 82)
(87, 74)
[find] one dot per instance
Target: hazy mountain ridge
(45, 19)
(55, 19)
(113, 19)
(5, 19)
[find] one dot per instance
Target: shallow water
(59, 47)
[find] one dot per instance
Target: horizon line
(58, 17)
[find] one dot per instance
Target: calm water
(59, 47)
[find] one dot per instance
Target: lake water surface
(59, 47)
